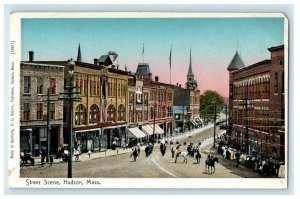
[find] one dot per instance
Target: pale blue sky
(213, 42)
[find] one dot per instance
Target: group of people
(176, 150)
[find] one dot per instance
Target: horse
(210, 163)
(182, 154)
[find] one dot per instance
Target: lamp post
(70, 100)
(154, 123)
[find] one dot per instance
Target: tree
(206, 104)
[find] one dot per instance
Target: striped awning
(135, 133)
(147, 130)
(158, 130)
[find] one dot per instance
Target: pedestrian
(163, 149)
(134, 153)
(77, 154)
(198, 153)
(43, 156)
(172, 150)
(138, 149)
(89, 153)
(237, 156)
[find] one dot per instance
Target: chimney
(31, 56)
(156, 78)
(179, 85)
(95, 61)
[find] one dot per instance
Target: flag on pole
(170, 58)
(143, 49)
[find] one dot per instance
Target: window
(40, 85)
(52, 111)
(39, 114)
(85, 87)
(26, 112)
(80, 115)
(111, 113)
(276, 83)
(121, 113)
(52, 89)
(231, 92)
(27, 84)
(94, 114)
(280, 62)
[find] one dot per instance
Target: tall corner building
(257, 105)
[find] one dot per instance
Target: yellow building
(99, 118)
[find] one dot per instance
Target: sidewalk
(110, 152)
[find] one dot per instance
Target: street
(154, 166)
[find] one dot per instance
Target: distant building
(257, 105)
(35, 80)
(187, 102)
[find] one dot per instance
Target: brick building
(159, 102)
(257, 105)
(35, 80)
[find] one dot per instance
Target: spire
(236, 62)
(190, 66)
(79, 54)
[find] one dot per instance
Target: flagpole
(170, 59)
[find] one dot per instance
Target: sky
(213, 43)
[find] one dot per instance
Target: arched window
(80, 115)
(94, 114)
(111, 113)
(276, 83)
(121, 113)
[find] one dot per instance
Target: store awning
(135, 133)
(147, 130)
(158, 130)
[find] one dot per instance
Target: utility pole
(182, 118)
(70, 100)
(215, 118)
(246, 134)
(48, 125)
(154, 124)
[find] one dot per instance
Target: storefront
(33, 139)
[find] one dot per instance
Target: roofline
(266, 61)
(41, 64)
(155, 82)
(276, 48)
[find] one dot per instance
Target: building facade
(158, 118)
(100, 117)
(36, 80)
(257, 105)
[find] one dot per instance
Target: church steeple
(190, 73)
(190, 83)
(79, 54)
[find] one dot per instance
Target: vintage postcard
(148, 100)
